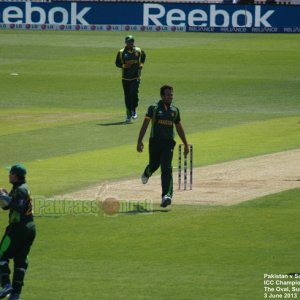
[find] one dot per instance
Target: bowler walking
(164, 115)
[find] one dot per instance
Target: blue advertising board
(150, 16)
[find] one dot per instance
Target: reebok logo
(37, 15)
(156, 14)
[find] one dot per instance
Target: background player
(131, 59)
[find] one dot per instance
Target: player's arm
(140, 145)
(181, 134)
(143, 59)
(118, 60)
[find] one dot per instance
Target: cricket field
(61, 114)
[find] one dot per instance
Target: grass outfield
(189, 252)
(238, 93)
(239, 97)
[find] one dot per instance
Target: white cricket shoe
(134, 115)
(166, 200)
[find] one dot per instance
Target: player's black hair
(165, 87)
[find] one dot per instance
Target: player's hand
(140, 147)
(186, 150)
(3, 192)
(3, 200)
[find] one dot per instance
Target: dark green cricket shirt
(20, 206)
(163, 119)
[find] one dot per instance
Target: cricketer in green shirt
(20, 207)
(164, 117)
(19, 234)
(131, 60)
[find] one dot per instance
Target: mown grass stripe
(73, 171)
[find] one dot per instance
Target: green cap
(129, 38)
(18, 169)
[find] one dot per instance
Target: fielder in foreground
(19, 234)
(161, 144)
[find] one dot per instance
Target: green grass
(238, 93)
(69, 172)
(189, 252)
(239, 97)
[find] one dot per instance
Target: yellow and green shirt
(137, 57)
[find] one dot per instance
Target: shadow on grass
(114, 124)
(138, 209)
(144, 212)
(48, 216)
(124, 213)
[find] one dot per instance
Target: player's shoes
(166, 200)
(6, 290)
(144, 178)
(128, 120)
(134, 115)
(14, 297)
